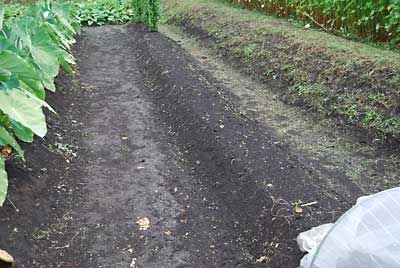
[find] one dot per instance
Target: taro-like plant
(33, 46)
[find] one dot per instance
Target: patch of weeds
(248, 50)
(378, 100)
(376, 97)
(214, 32)
(372, 117)
(340, 47)
(234, 41)
(298, 76)
(391, 126)
(263, 54)
(314, 95)
(395, 81)
(348, 111)
(287, 67)
(353, 114)
(269, 72)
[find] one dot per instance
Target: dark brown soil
(237, 164)
(144, 132)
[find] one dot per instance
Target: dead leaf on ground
(6, 257)
(299, 210)
(6, 151)
(262, 259)
(167, 232)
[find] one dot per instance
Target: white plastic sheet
(311, 239)
(367, 236)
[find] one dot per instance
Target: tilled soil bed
(153, 163)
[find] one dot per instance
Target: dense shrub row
(374, 19)
(147, 12)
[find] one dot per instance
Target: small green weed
(249, 50)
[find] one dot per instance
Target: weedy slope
(353, 82)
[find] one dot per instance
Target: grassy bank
(354, 82)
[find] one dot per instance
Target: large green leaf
(17, 65)
(48, 83)
(44, 53)
(24, 108)
(8, 139)
(11, 83)
(66, 60)
(22, 133)
(62, 17)
(33, 86)
(3, 181)
(64, 41)
(6, 44)
(1, 18)
(5, 75)
(19, 33)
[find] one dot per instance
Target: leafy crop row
(103, 12)
(33, 46)
(375, 19)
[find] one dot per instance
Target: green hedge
(147, 12)
(375, 19)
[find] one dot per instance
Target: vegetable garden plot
(105, 12)
(34, 42)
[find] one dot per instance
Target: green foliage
(102, 12)
(375, 19)
(34, 42)
(3, 179)
(147, 12)
(13, 10)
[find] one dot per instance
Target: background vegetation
(354, 82)
(102, 12)
(378, 20)
(147, 12)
